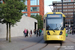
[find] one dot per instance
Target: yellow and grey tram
(54, 26)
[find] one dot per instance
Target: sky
(48, 8)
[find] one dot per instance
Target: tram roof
(55, 13)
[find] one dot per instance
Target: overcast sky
(48, 8)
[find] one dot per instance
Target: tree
(40, 20)
(10, 13)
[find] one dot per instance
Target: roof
(63, 2)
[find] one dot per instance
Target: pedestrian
(37, 32)
(25, 32)
(34, 31)
(72, 30)
(66, 31)
(40, 32)
(30, 33)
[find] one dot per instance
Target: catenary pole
(62, 6)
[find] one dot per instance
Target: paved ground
(18, 43)
(72, 36)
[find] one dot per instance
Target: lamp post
(62, 6)
(50, 7)
(58, 10)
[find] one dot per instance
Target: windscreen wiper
(53, 31)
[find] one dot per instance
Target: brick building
(34, 7)
(68, 10)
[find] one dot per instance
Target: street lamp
(62, 6)
(50, 7)
(55, 5)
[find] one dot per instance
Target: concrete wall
(17, 30)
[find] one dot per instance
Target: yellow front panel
(55, 35)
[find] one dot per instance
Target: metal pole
(50, 7)
(58, 10)
(62, 6)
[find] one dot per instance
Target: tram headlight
(61, 33)
(48, 33)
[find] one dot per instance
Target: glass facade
(65, 13)
(24, 2)
(70, 13)
(25, 10)
(70, 3)
(24, 14)
(34, 9)
(68, 0)
(65, 10)
(34, 14)
(64, 6)
(70, 6)
(34, 2)
(59, 7)
(70, 10)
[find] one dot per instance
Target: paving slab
(18, 43)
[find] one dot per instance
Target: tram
(54, 26)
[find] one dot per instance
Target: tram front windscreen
(53, 23)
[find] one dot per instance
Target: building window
(24, 14)
(70, 3)
(34, 9)
(64, 10)
(70, 6)
(54, 7)
(59, 7)
(71, 16)
(58, 4)
(70, 13)
(34, 2)
(55, 10)
(64, 6)
(24, 10)
(24, 2)
(34, 14)
(60, 10)
(65, 13)
(70, 9)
